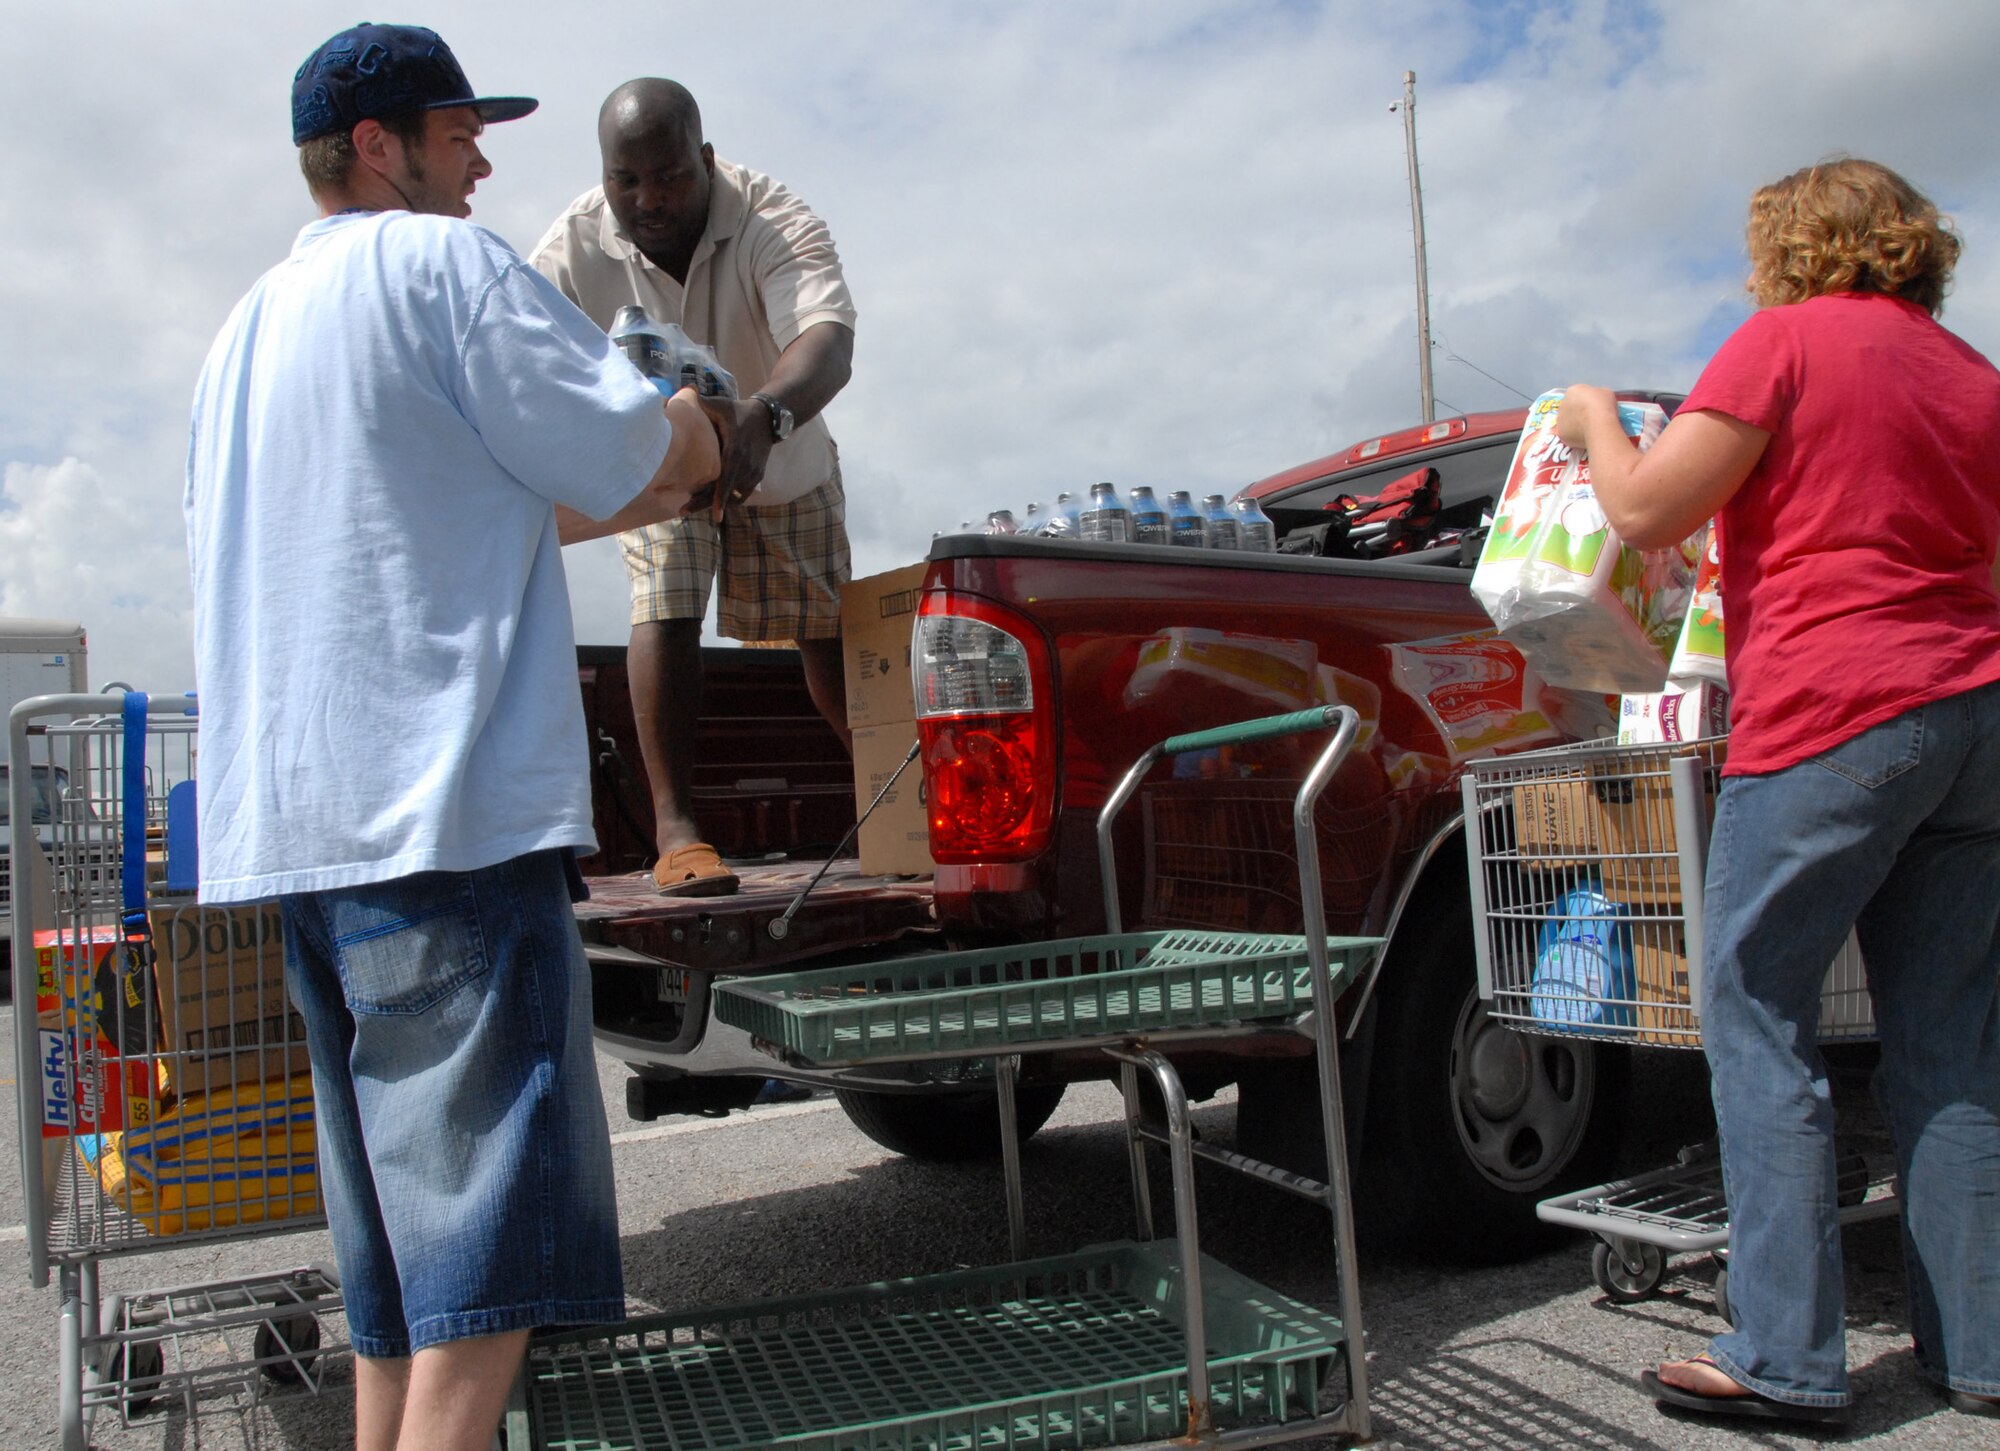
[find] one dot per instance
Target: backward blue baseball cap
(370, 71)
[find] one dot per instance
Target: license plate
(673, 985)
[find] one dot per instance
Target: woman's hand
(1582, 407)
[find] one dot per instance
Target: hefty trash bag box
(876, 615)
(224, 1015)
(93, 1021)
(1660, 971)
(1588, 612)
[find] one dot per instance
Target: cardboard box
(897, 838)
(224, 1015)
(1621, 827)
(88, 1006)
(876, 616)
(1660, 983)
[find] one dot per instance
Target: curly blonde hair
(1847, 225)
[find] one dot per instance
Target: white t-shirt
(383, 646)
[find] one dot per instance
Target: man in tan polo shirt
(741, 264)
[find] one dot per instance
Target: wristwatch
(781, 417)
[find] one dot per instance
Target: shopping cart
(165, 1095)
(1586, 867)
(1145, 1342)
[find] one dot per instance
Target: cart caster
(138, 1368)
(285, 1349)
(1627, 1270)
(1722, 1296)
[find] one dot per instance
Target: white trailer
(41, 657)
(37, 657)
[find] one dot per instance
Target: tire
(286, 1349)
(1469, 1123)
(1629, 1271)
(946, 1126)
(138, 1368)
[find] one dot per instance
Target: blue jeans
(1895, 832)
(463, 1148)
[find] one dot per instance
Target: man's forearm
(812, 369)
(693, 459)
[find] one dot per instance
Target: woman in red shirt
(1849, 448)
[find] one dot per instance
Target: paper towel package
(1694, 714)
(1588, 612)
(1698, 656)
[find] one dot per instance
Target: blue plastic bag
(1583, 964)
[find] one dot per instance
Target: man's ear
(375, 147)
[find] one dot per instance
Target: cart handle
(1262, 729)
(1265, 728)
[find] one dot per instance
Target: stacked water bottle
(1102, 517)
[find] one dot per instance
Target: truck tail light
(988, 754)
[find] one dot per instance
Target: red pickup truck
(1043, 668)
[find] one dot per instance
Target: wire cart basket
(1147, 1342)
(1586, 869)
(165, 1097)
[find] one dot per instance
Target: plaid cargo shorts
(781, 568)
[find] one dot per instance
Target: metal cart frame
(1021, 1024)
(1586, 866)
(103, 776)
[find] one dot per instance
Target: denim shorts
(463, 1149)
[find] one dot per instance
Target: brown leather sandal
(693, 871)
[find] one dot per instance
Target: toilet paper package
(1698, 657)
(1587, 611)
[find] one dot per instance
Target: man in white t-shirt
(742, 265)
(392, 436)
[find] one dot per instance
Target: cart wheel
(1627, 1270)
(138, 1368)
(285, 1349)
(1722, 1296)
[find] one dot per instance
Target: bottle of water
(668, 356)
(1032, 519)
(1219, 525)
(1185, 526)
(1149, 520)
(1254, 529)
(1105, 519)
(1062, 521)
(1001, 521)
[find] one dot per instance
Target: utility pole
(1409, 108)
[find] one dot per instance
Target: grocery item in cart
(1587, 611)
(1690, 713)
(1583, 963)
(238, 1155)
(1698, 656)
(86, 1083)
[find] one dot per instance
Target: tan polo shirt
(764, 271)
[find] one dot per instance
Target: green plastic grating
(1077, 1351)
(992, 998)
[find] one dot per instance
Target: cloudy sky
(1157, 241)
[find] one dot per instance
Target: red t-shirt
(1857, 558)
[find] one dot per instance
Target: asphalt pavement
(789, 1198)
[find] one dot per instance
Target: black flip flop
(1750, 1405)
(1973, 1405)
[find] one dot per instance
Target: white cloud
(1161, 243)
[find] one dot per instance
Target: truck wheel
(1470, 1123)
(946, 1126)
